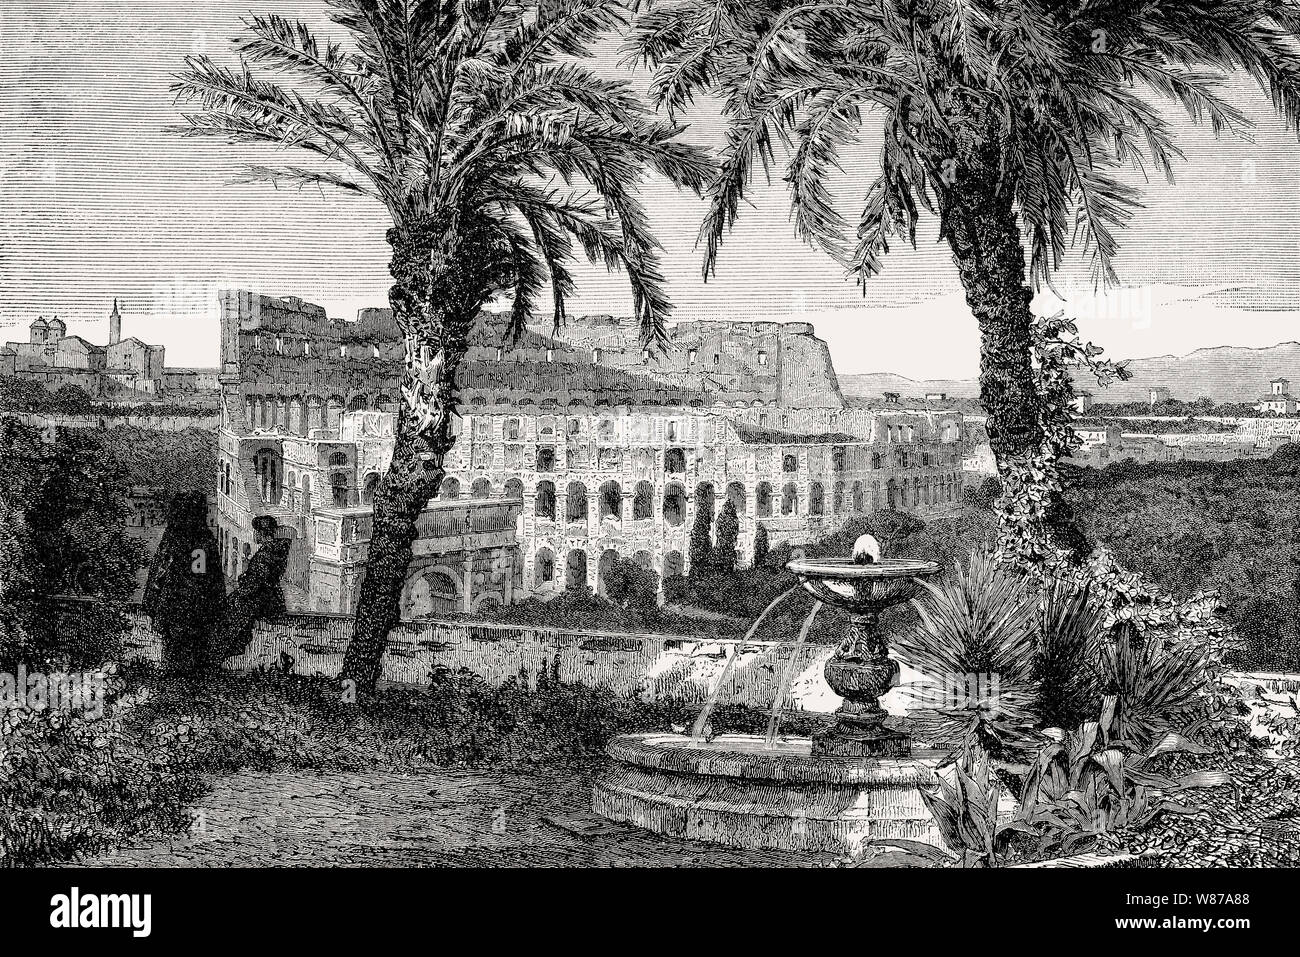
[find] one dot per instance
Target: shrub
(701, 544)
(632, 586)
(975, 637)
(186, 590)
(72, 785)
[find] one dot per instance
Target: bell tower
(114, 325)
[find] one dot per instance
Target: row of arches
(299, 414)
(480, 401)
(575, 574)
(614, 503)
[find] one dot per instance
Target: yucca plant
(974, 646)
(1154, 686)
(1067, 645)
(1008, 121)
(498, 157)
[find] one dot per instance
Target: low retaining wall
(656, 667)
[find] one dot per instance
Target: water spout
(702, 722)
(787, 675)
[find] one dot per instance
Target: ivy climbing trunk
(434, 308)
(983, 232)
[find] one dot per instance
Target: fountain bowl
(862, 588)
(737, 791)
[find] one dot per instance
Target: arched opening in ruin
(674, 460)
(543, 568)
(481, 488)
(339, 489)
(816, 499)
(736, 496)
(674, 505)
(789, 499)
(267, 466)
(545, 508)
(575, 570)
(763, 500)
(789, 463)
(368, 489)
(449, 490)
(603, 568)
(576, 505)
(643, 502)
(429, 592)
(611, 501)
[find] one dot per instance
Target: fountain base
(861, 739)
(734, 790)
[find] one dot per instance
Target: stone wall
(657, 667)
(158, 423)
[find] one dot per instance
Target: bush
(632, 586)
(728, 530)
(73, 785)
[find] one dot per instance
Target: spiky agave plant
(497, 156)
(1150, 686)
(974, 646)
(1067, 646)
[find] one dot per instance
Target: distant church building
(1279, 399)
(54, 359)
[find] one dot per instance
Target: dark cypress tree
(701, 550)
(186, 590)
(728, 530)
(760, 545)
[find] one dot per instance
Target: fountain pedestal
(861, 671)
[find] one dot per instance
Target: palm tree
(1007, 120)
(493, 152)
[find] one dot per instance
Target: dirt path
(448, 818)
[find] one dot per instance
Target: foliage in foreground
(73, 785)
(276, 721)
(1035, 692)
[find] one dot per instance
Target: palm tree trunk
(984, 235)
(436, 328)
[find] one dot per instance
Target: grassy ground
(458, 773)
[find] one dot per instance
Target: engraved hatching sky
(98, 200)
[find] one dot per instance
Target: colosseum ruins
(572, 450)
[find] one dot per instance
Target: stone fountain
(856, 782)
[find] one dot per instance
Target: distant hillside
(1224, 373)
(876, 384)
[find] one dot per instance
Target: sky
(99, 200)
